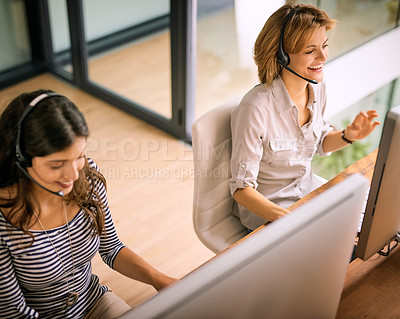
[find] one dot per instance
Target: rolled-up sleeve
(326, 129)
(247, 125)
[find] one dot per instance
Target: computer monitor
(292, 268)
(381, 222)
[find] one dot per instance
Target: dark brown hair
(50, 127)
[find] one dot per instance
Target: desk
(372, 287)
(364, 166)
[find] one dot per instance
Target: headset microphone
(282, 57)
(21, 159)
(294, 72)
(60, 193)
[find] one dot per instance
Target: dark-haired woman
(279, 124)
(54, 217)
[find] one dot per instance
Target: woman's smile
(316, 68)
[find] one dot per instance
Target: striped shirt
(33, 282)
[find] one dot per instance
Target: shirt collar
(282, 97)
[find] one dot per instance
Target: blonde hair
(298, 31)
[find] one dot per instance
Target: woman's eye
(56, 167)
(309, 52)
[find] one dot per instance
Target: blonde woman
(279, 125)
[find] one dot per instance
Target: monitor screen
(381, 222)
(292, 268)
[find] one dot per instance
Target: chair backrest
(215, 217)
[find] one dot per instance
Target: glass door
(129, 50)
(136, 55)
(60, 45)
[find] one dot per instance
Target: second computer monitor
(381, 222)
(292, 268)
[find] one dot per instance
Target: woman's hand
(362, 126)
(162, 281)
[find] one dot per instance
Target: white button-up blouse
(270, 150)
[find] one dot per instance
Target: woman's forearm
(333, 142)
(255, 202)
(135, 267)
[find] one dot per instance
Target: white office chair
(215, 214)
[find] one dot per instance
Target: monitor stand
(389, 248)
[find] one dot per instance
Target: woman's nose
(71, 172)
(323, 54)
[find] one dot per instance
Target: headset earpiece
(282, 56)
(21, 160)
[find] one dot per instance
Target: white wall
(362, 71)
(250, 17)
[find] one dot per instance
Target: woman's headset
(282, 57)
(23, 161)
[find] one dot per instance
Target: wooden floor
(150, 187)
